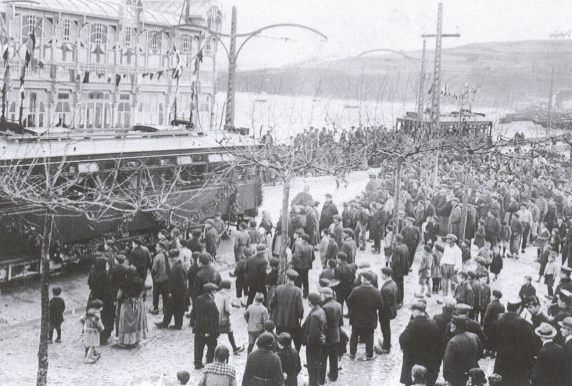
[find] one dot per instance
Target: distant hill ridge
(506, 72)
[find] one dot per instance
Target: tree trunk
(465, 197)
(397, 195)
(42, 377)
(285, 231)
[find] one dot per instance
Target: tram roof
(90, 145)
(448, 118)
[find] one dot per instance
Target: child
(505, 234)
(484, 295)
(270, 326)
(496, 265)
(431, 229)
(550, 273)
(388, 245)
(256, 314)
(436, 268)
(253, 233)
(527, 289)
(480, 235)
(290, 359)
(223, 303)
(241, 277)
(486, 253)
(92, 326)
(272, 280)
(424, 271)
(543, 260)
(57, 308)
(183, 377)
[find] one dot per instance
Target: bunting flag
(22, 92)
(117, 79)
(86, 77)
(151, 76)
(30, 47)
(6, 51)
(160, 74)
(109, 78)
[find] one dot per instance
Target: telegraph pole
(421, 96)
(230, 89)
(436, 94)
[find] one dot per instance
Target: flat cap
(409, 219)
(566, 270)
(291, 273)
(463, 308)
(338, 217)
(451, 237)
(314, 298)
(265, 340)
(387, 271)
(260, 247)
(209, 221)
(459, 320)
(497, 294)
(418, 306)
(327, 291)
(210, 287)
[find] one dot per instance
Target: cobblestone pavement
(165, 352)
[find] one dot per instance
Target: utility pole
(436, 94)
(551, 93)
(421, 96)
(230, 88)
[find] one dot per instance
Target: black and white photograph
(286, 192)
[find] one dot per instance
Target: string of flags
(467, 92)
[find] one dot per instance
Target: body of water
(286, 116)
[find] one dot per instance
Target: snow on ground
(165, 352)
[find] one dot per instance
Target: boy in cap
(424, 272)
(183, 377)
(526, 290)
(255, 315)
(57, 308)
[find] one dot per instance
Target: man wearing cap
(471, 326)
(411, 238)
(464, 292)
(176, 293)
(333, 312)
(565, 281)
(206, 327)
(303, 198)
(455, 218)
(364, 304)
(492, 229)
(195, 244)
(420, 344)
(526, 219)
(302, 263)
(400, 265)
(329, 210)
(256, 273)
(361, 227)
(160, 275)
(389, 294)
(451, 262)
(494, 309)
(550, 366)
(312, 224)
(212, 238)
(288, 309)
(218, 223)
(566, 331)
(241, 241)
(514, 341)
(263, 366)
(537, 315)
(345, 273)
(349, 246)
(314, 330)
(462, 353)
(140, 258)
(445, 317)
(205, 274)
(332, 248)
(337, 231)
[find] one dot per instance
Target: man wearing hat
(411, 238)
(337, 230)
(389, 294)
(333, 312)
(443, 319)
(364, 304)
(206, 324)
(451, 262)
(471, 326)
(329, 210)
(420, 342)
(212, 238)
(288, 309)
(462, 352)
(550, 366)
(566, 331)
(515, 343)
(302, 262)
(455, 218)
(256, 273)
(160, 276)
(176, 292)
(349, 246)
(314, 330)
(400, 265)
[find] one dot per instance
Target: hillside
(506, 72)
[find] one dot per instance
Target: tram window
(193, 174)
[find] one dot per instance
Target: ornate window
(31, 23)
(98, 33)
(185, 45)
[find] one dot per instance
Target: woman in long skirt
(132, 325)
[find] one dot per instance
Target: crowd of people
(513, 206)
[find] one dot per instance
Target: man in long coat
(256, 273)
(206, 328)
(177, 292)
(329, 210)
(515, 343)
(550, 366)
(420, 344)
(462, 353)
(411, 237)
(389, 294)
(288, 309)
(400, 265)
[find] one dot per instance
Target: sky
(355, 26)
